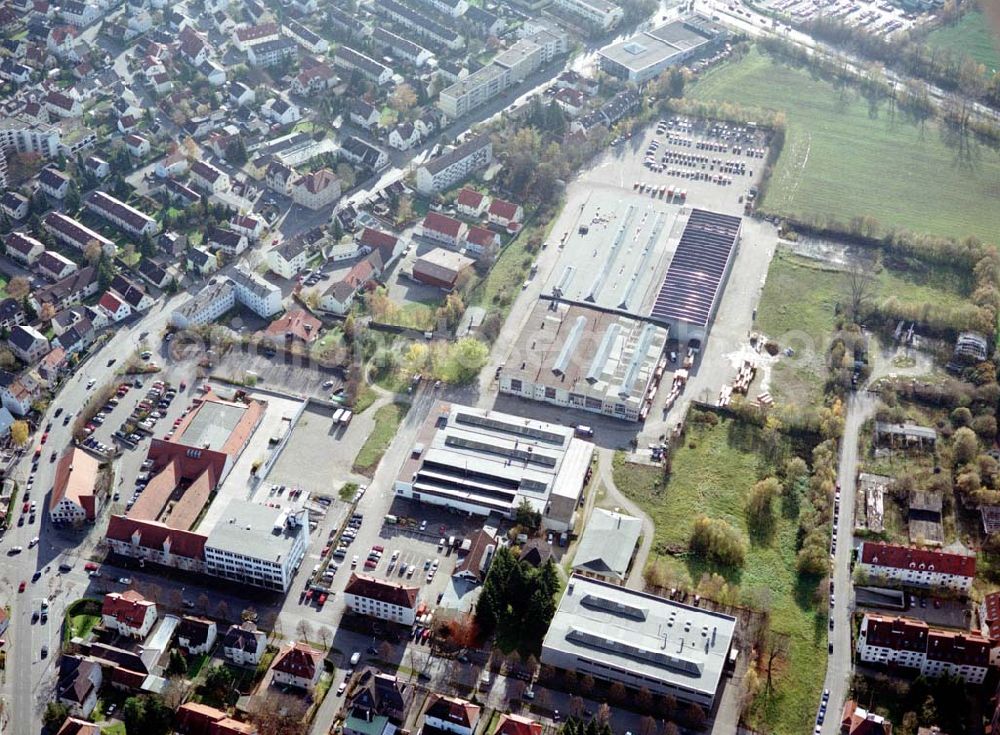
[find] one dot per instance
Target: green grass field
(798, 309)
(712, 475)
(840, 161)
(387, 420)
(970, 36)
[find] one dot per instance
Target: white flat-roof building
(639, 640)
(648, 54)
(257, 545)
(483, 462)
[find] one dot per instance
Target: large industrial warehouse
(581, 357)
(484, 462)
(696, 278)
(639, 640)
(646, 55)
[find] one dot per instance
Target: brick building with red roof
(915, 567)
(906, 643)
(128, 613)
(472, 203)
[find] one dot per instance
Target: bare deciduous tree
(860, 290)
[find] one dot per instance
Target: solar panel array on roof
(693, 281)
(527, 432)
(521, 455)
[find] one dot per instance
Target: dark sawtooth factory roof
(694, 280)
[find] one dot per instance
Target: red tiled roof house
(128, 613)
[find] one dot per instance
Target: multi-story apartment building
(378, 598)
(601, 13)
(207, 305)
(128, 613)
(269, 53)
(260, 296)
(447, 170)
(207, 176)
(27, 137)
(912, 644)
(123, 215)
(915, 567)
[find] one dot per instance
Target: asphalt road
(860, 408)
(30, 675)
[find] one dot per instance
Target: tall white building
(260, 296)
(602, 13)
(256, 545)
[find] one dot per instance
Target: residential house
(153, 273)
(484, 21)
(171, 165)
(74, 234)
(404, 137)
(27, 344)
(206, 306)
(505, 214)
(420, 24)
(241, 95)
(481, 242)
(296, 325)
(364, 115)
(362, 153)
(136, 145)
(98, 167)
(314, 79)
(201, 261)
(53, 182)
(126, 217)
(54, 266)
(248, 224)
(472, 203)
(350, 61)
(196, 635)
(181, 193)
(229, 242)
(11, 314)
(280, 111)
(68, 291)
(375, 694)
(451, 715)
(279, 177)
(16, 395)
(63, 105)
(244, 645)
(51, 367)
(476, 561)
(857, 720)
(23, 248)
(76, 726)
(172, 243)
(317, 189)
(74, 497)
(115, 308)
(382, 599)
(249, 35)
(388, 246)
(443, 172)
(339, 297)
(511, 724)
(194, 718)
(297, 665)
(209, 177)
(404, 48)
(78, 684)
(128, 613)
(289, 258)
(15, 206)
(443, 229)
(306, 38)
(917, 567)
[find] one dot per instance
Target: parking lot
(319, 454)
(879, 18)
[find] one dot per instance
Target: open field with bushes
(842, 159)
(970, 36)
(713, 473)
